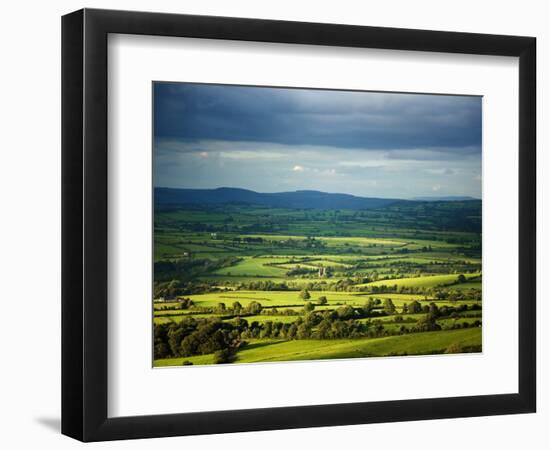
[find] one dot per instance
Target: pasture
(277, 350)
(424, 281)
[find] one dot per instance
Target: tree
(175, 338)
(427, 323)
(308, 307)
(171, 289)
(223, 356)
(346, 312)
(254, 307)
(379, 329)
(461, 278)
(304, 294)
(303, 331)
(415, 307)
(267, 329)
(162, 351)
(324, 329)
(311, 319)
(291, 333)
(454, 296)
(322, 300)
(240, 324)
(185, 303)
(389, 307)
(369, 307)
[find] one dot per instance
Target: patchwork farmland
(241, 283)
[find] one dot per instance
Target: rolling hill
(166, 197)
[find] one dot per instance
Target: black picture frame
(84, 224)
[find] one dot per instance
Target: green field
(269, 299)
(254, 267)
(243, 283)
(474, 285)
(272, 350)
(423, 281)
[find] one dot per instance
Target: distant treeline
(430, 217)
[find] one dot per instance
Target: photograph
(297, 224)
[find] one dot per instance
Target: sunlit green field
(423, 281)
(273, 350)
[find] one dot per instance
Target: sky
(370, 144)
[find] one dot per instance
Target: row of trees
(373, 307)
(224, 339)
(204, 336)
(181, 303)
(188, 269)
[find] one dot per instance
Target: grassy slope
(253, 267)
(467, 286)
(412, 344)
(266, 298)
(426, 282)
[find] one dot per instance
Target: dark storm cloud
(272, 140)
(362, 120)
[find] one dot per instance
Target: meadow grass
(291, 299)
(422, 281)
(276, 350)
(468, 285)
(252, 267)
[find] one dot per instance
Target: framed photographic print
(291, 217)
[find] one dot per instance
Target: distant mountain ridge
(293, 200)
(445, 198)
